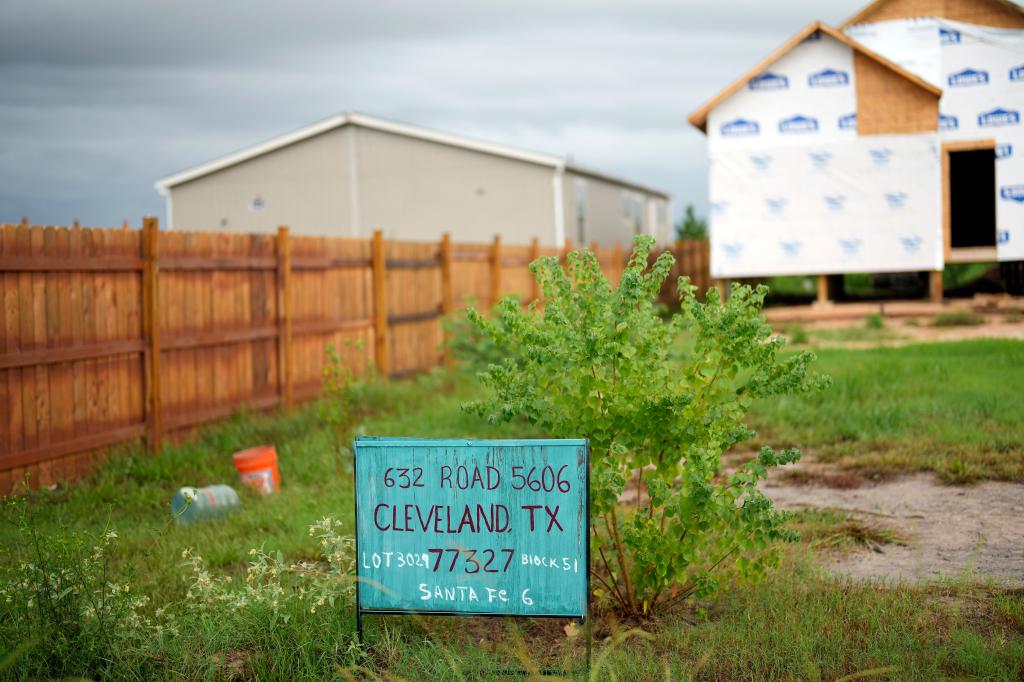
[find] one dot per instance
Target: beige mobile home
(352, 174)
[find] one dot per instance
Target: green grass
(957, 318)
(801, 625)
(133, 490)
(851, 334)
(951, 408)
(873, 331)
(836, 530)
(956, 275)
(914, 407)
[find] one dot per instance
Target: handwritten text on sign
(472, 526)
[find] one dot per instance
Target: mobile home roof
(374, 123)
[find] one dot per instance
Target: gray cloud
(102, 98)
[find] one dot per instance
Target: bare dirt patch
(949, 530)
(900, 332)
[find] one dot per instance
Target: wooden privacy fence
(111, 335)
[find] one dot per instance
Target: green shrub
(343, 400)
(797, 334)
(597, 362)
(467, 345)
(874, 321)
(957, 318)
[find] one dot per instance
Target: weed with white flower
(64, 605)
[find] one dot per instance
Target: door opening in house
(972, 194)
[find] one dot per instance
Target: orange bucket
(258, 468)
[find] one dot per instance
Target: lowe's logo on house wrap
(828, 78)
(967, 77)
(1004, 150)
(896, 199)
(1017, 73)
(1012, 193)
(775, 206)
(798, 124)
(820, 159)
(762, 162)
(880, 156)
(1002, 236)
(911, 244)
(948, 36)
(733, 250)
(848, 122)
(948, 122)
(769, 81)
(740, 127)
(834, 202)
(850, 247)
(790, 249)
(998, 117)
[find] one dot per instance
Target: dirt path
(950, 530)
(900, 333)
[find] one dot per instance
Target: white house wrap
(981, 72)
(854, 205)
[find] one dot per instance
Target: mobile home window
(638, 215)
(627, 206)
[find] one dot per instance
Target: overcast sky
(98, 99)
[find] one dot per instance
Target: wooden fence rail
(111, 335)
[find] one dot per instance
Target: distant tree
(691, 226)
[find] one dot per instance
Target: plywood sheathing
(996, 13)
(888, 104)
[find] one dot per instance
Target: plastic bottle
(199, 504)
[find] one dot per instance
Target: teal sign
(492, 527)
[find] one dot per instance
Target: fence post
(380, 306)
(151, 331)
(823, 297)
(534, 255)
(495, 271)
(284, 316)
(447, 306)
(619, 265)
(705, 265)
(935, 286)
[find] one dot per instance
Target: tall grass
(951, 408)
